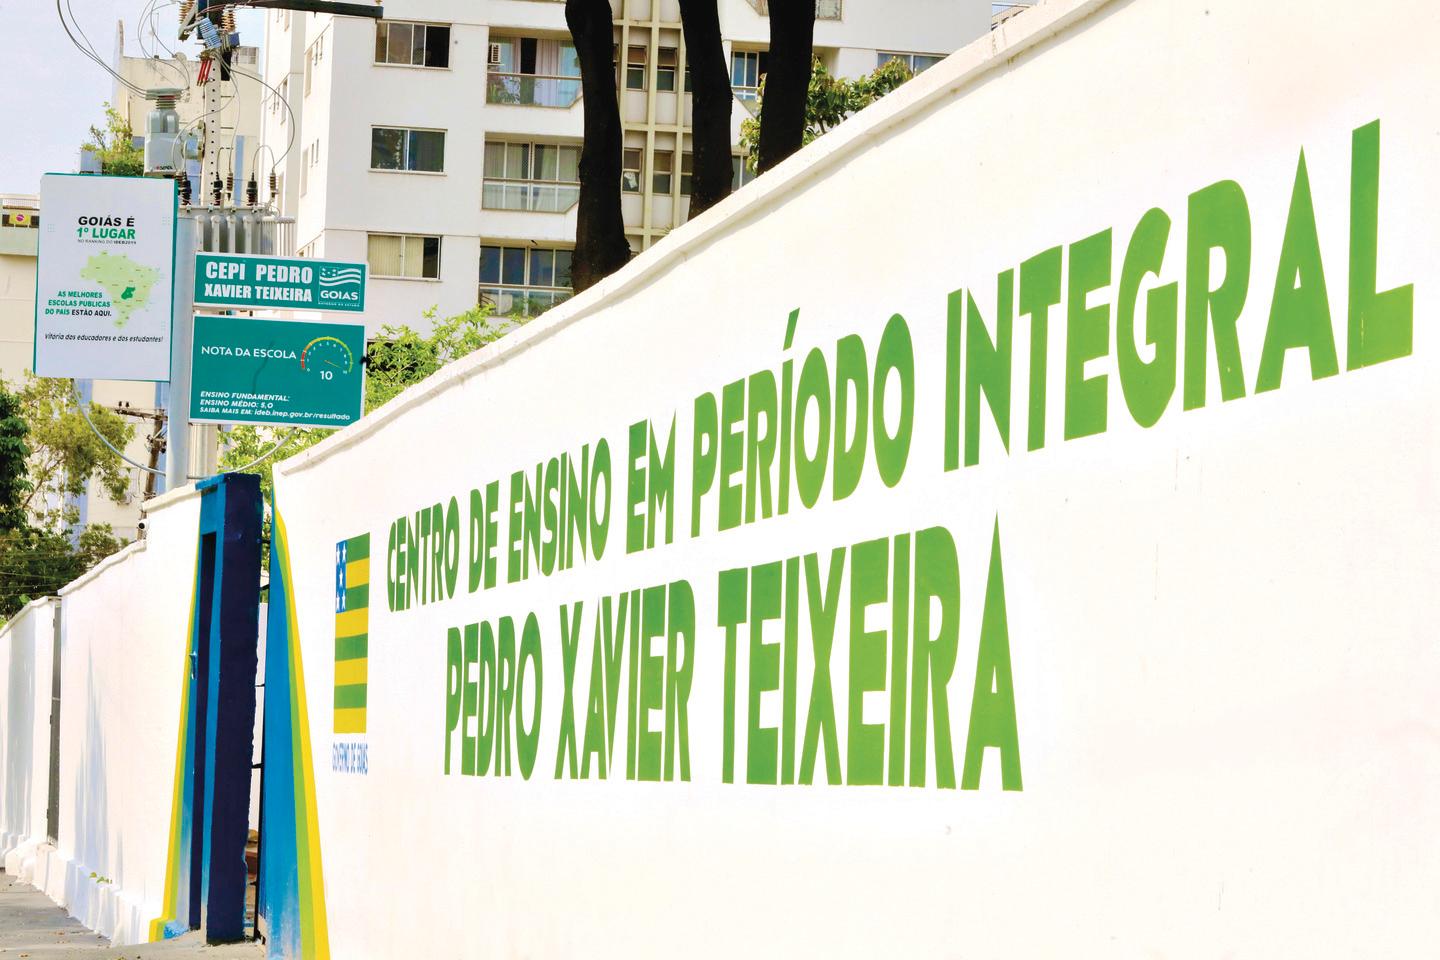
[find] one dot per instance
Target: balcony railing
(532, 90)
(749, 98)
(522, 301)
(824, 9)
(534, 195)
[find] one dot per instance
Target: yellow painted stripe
(357, 573)
(351, 671)
(172, 858)
(314, 923)
(350, 720)
(352, 623)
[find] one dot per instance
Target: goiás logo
(341, 284)
(352, 655)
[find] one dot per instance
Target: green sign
(282, 372)
(283, 283)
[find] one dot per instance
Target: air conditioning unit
(496, 55)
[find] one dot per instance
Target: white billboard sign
(104, 282)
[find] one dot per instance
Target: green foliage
(37, 563)
(14, 457)
(398, 358)
(66, 453)
(115, 145)
(47, 455)
(829, 101)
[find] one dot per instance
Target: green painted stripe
(357, 548)
(352, 648)
(357, 598)
(350, 695)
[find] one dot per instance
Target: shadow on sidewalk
(33, 927)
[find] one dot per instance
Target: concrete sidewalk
(32, 926)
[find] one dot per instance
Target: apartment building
(19, 241)
(442, 144)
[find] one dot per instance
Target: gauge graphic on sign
(281, 372)
(327, 358)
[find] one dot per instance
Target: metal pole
(210, 130)
(177, 410)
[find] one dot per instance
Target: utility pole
(213, 22)
(155, 442)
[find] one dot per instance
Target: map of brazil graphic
(127, 283)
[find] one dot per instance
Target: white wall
(26, 661)
(1220, 627)
(123, 664)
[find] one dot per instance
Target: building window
(665, 66)
(827, 10)
(531, 72)
(631, 170)
(412, 44)
(747, 67)
(661, 170)
(740, 172)
(543, 177)
(523, 281)
(283, 90)
(635, 68)
(396, 148)
(916, 62)
(397, 255)
(304, 171)
(313, 56)
(687, 161)
(687, 76)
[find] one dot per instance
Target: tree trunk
(600, 244)
(787, 82)
(710, 79)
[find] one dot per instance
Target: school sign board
(104, 282)
(279, 372)
(1031, 556)
(287, 283)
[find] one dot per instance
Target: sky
(50, 93)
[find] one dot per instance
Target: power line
(148, 19)
(59, 12)
(285, 102)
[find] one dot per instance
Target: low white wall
(26, 666)
(124, 630)
(1217, 619)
